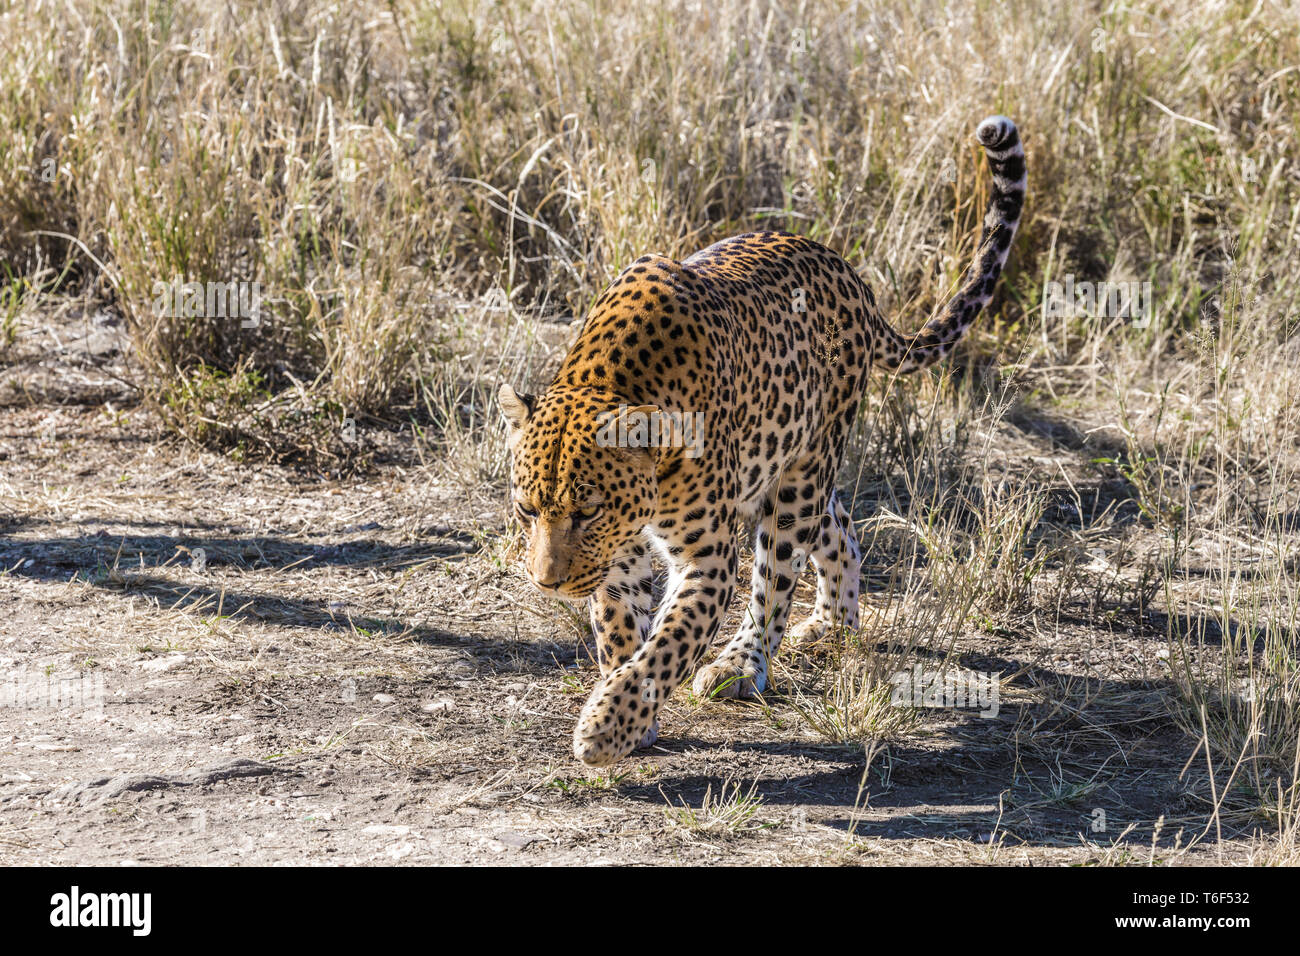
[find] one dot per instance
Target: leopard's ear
(515, 408)
(638, 432)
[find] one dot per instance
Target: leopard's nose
(550, 579)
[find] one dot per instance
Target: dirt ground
(208, 662)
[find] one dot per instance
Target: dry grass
(732, 810)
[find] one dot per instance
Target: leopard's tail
(1001, 141)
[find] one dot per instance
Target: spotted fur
(768, 336)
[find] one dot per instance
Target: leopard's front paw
(597, 745)
(729, 677)
(618, 719)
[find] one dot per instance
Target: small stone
(517, 841)
(438, 706)
(160, 665)
(385, 829)
(384, 699)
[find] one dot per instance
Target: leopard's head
(581, 495)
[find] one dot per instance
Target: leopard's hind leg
(838, 561)
(793, 520)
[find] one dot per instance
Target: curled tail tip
(1006, 158)
(998, 133)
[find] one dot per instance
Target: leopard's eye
(586, 514)
(525, 511)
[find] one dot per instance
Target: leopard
(761, 346)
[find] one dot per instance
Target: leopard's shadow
(966, 779)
